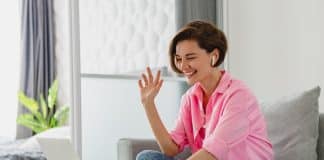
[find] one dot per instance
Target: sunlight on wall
(9, 66)
(277, 48)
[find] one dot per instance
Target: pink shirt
(233, 127)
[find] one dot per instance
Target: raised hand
(149, 86)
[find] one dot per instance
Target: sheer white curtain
(9, 66)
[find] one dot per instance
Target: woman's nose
(184, 65)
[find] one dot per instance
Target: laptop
(57, 149)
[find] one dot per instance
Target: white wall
(276, 46)
(9, 66)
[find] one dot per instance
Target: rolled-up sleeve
(233, 126)
(178, 133)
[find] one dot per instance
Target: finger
(140, 84)
(157, 78)
(150, 76)
(159, 85)
(145, 79)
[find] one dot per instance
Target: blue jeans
(152, 155)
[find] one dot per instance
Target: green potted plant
(42, 115)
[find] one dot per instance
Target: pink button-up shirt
(233, 127)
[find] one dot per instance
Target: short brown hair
(208, 37)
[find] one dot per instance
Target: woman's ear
(215, 56)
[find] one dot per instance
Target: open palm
(149, 86)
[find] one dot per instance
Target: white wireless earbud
(213, 60)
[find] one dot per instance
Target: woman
(219, 117)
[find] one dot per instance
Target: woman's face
(193, 61)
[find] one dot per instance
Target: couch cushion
(293, 125)
(320, 142)
(58, 132)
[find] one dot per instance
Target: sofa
(295, 128)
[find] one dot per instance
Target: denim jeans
(152, 155)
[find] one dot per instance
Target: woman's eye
(190, 58)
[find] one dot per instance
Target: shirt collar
(221, 87)
(224, 82)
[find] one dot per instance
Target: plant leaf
(62, 115)
(52, 93)
(28, 121)
(41, 120)
(44, 106)
(53, 122)
(27, 102)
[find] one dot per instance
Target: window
(124, 36)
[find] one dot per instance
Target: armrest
(128, 148)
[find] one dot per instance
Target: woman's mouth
(189, 74)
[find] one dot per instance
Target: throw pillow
(292, 124)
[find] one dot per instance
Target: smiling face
(193, 61)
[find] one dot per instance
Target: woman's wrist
(148, 103)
